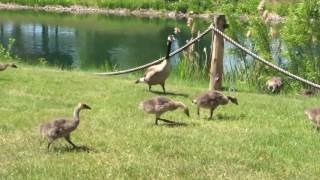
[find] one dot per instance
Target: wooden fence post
(216, 69)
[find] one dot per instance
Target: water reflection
(33, 41)
(89, 41)
(102, 42)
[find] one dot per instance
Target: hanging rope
(158, 60)
(212, 28)
(263, 60)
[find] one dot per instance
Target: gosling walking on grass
(211, 100)
(5, 66)
(274, 84)
(314, 116)
(158, 74)
(62, 127)
(160, 104)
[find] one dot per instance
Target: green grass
(265, 137)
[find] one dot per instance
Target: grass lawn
(265, 137)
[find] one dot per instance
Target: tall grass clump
(192, 64)
(6, 53)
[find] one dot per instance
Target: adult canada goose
(274, 84)
(62, 127)
(160, 104)
(158, 74)
(5, 66)
(211, 100)
(314, 116)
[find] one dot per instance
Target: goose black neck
(168, 49)
(76, 114)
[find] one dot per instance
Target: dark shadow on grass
(4, 79)
(74, 149)
(170, 123)
(226, 117)
(169, 93)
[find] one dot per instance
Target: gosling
(62, 127)
(274, 84)
(158, 74)
(160, 104)
(211, 100)
(314, 116)
(5, 66)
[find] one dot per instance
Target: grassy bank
(265, 137)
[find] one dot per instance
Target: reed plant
(192, 64)
(7, 52)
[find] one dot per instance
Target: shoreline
(76, 9)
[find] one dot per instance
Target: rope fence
(263, 60)
(158, 60)
(214, 29)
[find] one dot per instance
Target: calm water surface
(90, 41)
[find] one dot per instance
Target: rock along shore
(76, 9)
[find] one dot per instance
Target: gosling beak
(86, 106)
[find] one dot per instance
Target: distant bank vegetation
(175, 5)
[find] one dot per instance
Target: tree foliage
(301, 35)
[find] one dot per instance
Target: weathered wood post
(216, 69)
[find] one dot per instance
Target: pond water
(91, 41)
